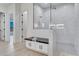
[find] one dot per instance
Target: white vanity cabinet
(41, 47)
(37, 46)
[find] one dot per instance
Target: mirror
(41, 15)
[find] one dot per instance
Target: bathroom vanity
(38, 44)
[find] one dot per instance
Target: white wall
(2, 7)
(76, 28)
(17, 22)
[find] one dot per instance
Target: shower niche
(41, 15)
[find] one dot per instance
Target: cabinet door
(39, 47)
(45, 48)
(33, 45)
(28, 44)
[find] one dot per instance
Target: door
(2, 25)
(24, 25)
(62, 17)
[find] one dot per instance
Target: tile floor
(17, 49)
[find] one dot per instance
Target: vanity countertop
(30, 38)
(42, 40)
(38, 39)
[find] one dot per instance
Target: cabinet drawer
(45, 48)
(42, 47)
(30, 44)
(39, 46)
(33, 46)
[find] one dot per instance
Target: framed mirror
(41, 15)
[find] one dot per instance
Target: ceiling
(43, 5)
(52, 5)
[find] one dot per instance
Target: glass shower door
(63, 17)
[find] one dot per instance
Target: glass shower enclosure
(63, 17)
(62, 20)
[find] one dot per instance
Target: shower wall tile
(66, 48)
